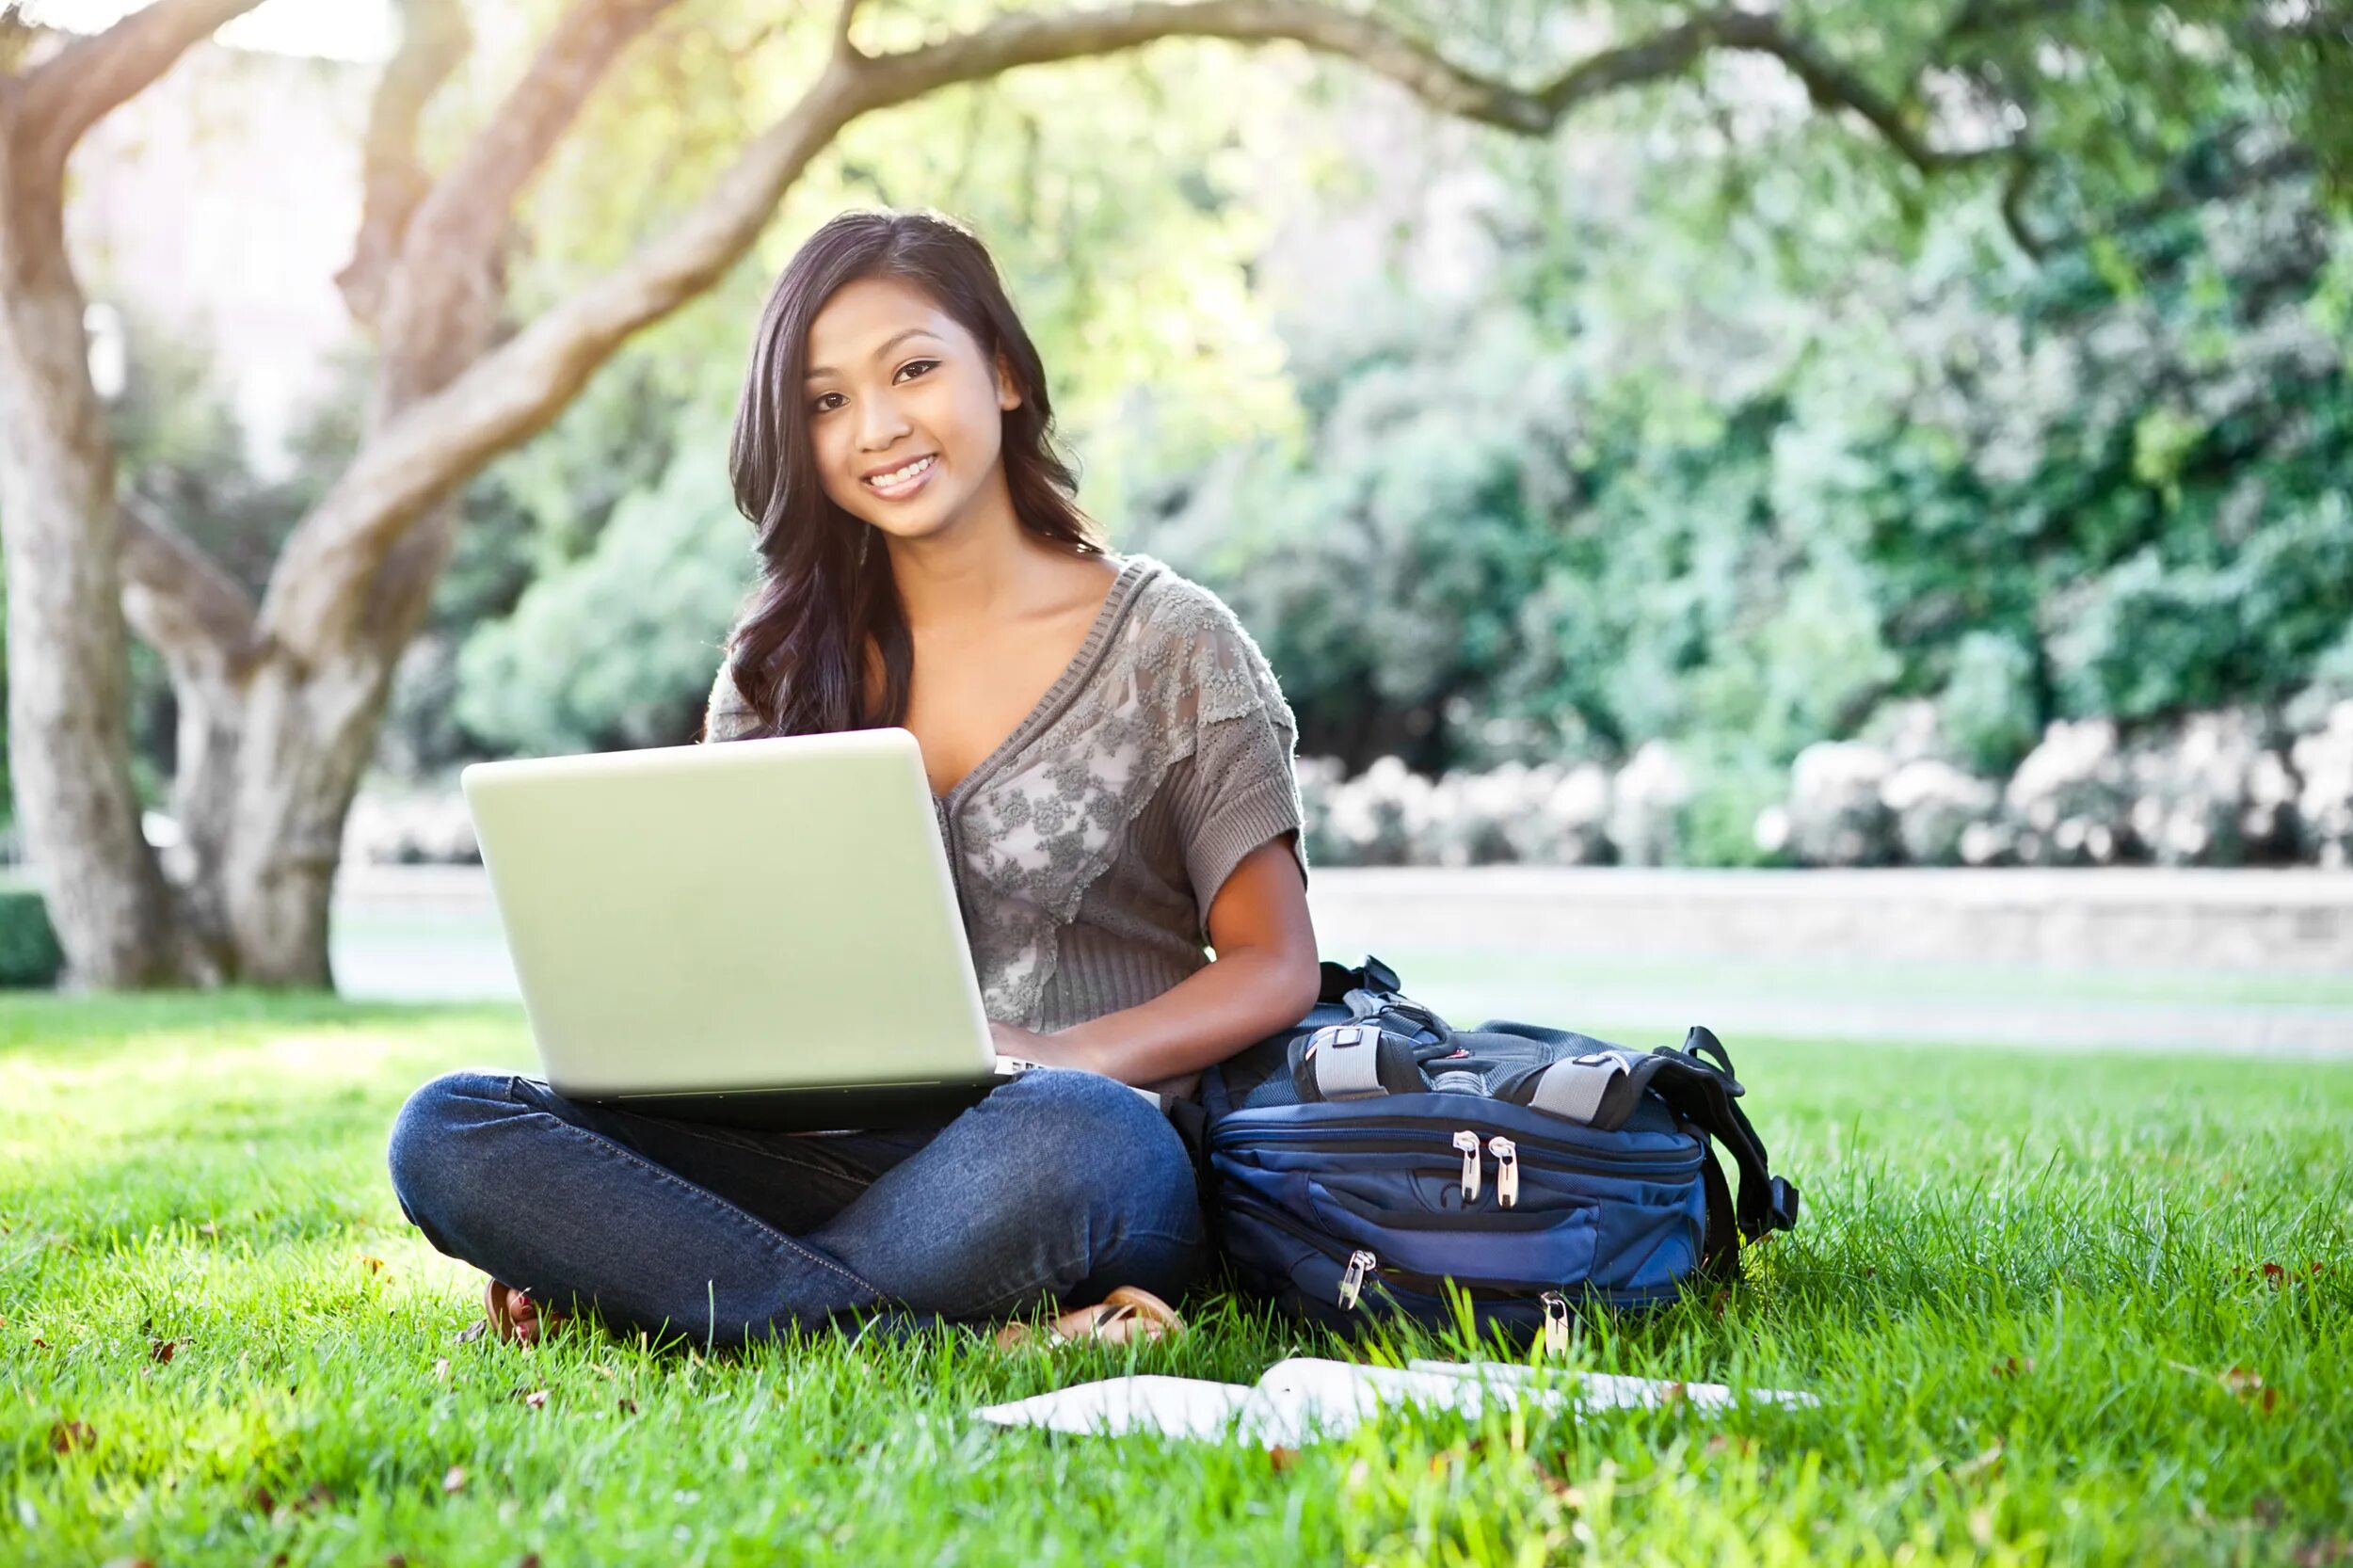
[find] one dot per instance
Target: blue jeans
(1061, 1184)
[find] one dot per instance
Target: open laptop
(765, 932)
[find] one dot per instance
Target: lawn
(2057, 1308)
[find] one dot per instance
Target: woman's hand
(1052, 1050)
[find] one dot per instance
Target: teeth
(900, 476)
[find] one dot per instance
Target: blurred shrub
(29, 955)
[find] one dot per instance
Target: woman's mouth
(906, 480)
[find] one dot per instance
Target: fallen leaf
(2241, 1381)
(629, 1407)
(262, 1500)
(529, 1561)
(2013, 1366)
(2274, 1275)
(38, 1343)
(1986, 1461)
(1672, 1393)
(440, 1370)
(455, 1480)
(373, 1265)
(603, 1371)
(2269, 1511)
(469, 1335)
(2322, 1554)
(161, 1349)
(65, 1437)
(128, 1562)
(1981, 1526)
(395, 1561)
(536, 1399)
(208, 1229)
(1559, 1487)
(1281, 1459)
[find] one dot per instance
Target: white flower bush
(2069, 798)
(1936, 807)
(2324, 762)
(1646, 807)
(1835, 816)
(409, 829)
(2215, 792)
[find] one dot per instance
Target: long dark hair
(797, 655)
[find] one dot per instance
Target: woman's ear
(1008, 390)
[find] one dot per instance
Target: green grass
(2019, 1289)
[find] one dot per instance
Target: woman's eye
(819, 407)
(911, 365)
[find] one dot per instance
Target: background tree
(279, 696)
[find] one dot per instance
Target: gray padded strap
(1572, 1090)
(1348, 1062)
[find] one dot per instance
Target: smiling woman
(1110, 761)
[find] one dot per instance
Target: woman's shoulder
(1197, 648)
(1174, 612)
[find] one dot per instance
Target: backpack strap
(1346, 1060)
(1601, 1089)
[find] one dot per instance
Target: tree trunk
(69, 659)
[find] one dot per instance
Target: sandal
(499, 1320)
(1128, 1316)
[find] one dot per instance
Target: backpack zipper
(1556, 1322)
(1420, 1141)
(1507, 1169)
(1360, 1263)
(1467, 1141)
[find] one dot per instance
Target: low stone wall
(2285, 921)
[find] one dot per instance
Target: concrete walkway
(2236, 962)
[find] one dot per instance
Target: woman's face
(904, 412)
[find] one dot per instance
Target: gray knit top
(1088, 846)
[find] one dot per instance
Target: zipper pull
(1467, 1141)
(1507, 1170)
(1360, 1263)
(1556, 1323)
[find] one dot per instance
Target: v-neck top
(1089, 846)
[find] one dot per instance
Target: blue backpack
(1358, 1160)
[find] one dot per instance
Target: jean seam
(777, 1238)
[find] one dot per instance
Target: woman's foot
(1128, 1316)
(513, 1316)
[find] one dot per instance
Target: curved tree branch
(67, 95)
(514, 392)
(434, 38)
(181, 601)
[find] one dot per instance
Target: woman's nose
(880, 425)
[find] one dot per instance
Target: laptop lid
(761, 914)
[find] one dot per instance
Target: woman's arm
(1264, 978)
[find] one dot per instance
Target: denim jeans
(1060, 1185)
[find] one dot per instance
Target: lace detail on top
(1047, 823)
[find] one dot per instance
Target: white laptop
(763, 931)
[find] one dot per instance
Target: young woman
(1110, 764)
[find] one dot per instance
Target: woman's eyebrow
(892, 341)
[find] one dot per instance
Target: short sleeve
(1238, 789)
(726, 716)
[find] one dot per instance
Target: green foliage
(29, 955)
(1634, 498)
(617, 648)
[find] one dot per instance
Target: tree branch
(181, 601)
(70, 93)
(514, 392)
(842, 47)
(434, 38)
(450, 249)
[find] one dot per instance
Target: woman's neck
(988, 571)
